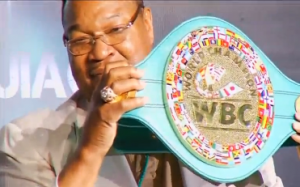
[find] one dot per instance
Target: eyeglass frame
(93, 39)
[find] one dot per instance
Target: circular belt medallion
(219, 96)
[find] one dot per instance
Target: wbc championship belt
(216, 101)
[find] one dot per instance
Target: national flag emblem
(218, 147)
(189, 44)
(205, 42)
(223, 37)
(179, 71)
(224, 43)
(264, 94)
(217, 29)
(201, 138)
(218, 73)
(195, 47)
(225, 148)
(271, 113)
(222, 161)
(265, 121)
(208, 77)
(247, 150)
(262, 105)
(269, 127)
(270, 100)
(230, 33)
(236, 154)
(259, 144)
(270, 90)
(223, 154)
(268, 132)
(238, 37)
(202, 72)
(244, 51)
(252, 69)
(180, 45)
(256, 127)
(229, 90)
(260, 87)
(170, 78)
(257, 80)
(187, 55)
(180, 96)
(246, 141)
(198, 77)
(213, 42)
(178, 52)
(256, 149)
(197, 141)
(189, 140)
(199, 150)
(184, 61)
(239, 45)
(263, 69)
(261, 112)
(184, 130)
(232, 148)
(177, 109)
(234, 42)
(271, 120)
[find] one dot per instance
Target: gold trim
(124, 96)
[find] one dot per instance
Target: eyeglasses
(116, 35)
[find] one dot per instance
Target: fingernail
(146, 99)
(297, 115)
(143, 83)
(140, 71)
(296, 126)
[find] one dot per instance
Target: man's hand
(101, 124)
(296, 124)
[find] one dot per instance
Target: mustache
(95, 69)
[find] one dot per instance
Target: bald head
(64, 2)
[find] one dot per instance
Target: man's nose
(101, 51)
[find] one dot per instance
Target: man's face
(86, 19)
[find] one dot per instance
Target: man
(72, 146)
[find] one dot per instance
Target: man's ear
(147, 16)
(64, 39)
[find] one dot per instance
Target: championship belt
(216, 101)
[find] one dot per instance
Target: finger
(297, 104)
(132, 103)
(296, 126)
(297, 116)
(96, 69)
(123, 73)
(123, 86)
(296, 138)
(113, 65)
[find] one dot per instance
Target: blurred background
(34, 70)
